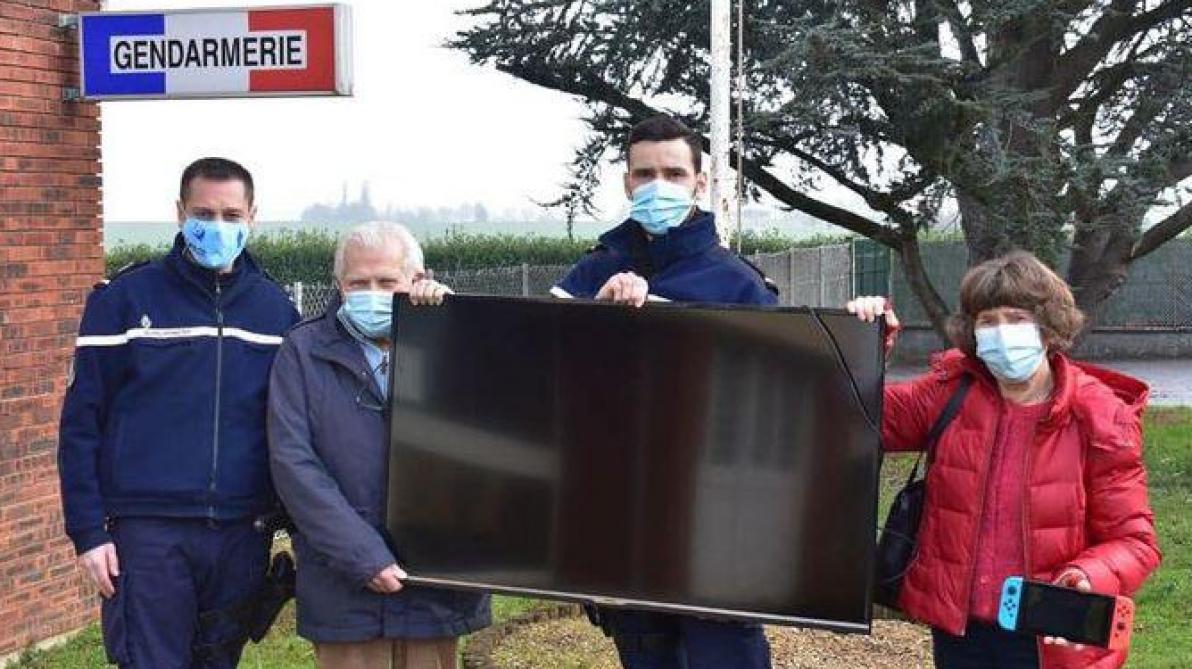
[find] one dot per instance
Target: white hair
(377, 235)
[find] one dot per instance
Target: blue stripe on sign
(98, 30)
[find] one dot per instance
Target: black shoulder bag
(896, 546)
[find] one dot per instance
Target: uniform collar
(693, 237)
(230, 283)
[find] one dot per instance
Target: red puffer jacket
(1085, 498)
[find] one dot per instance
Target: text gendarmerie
(153, 54)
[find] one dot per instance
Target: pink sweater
(1000, 552)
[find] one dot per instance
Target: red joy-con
(1122, 624)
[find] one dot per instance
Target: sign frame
(342, 48)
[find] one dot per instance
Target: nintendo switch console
(1043, 609)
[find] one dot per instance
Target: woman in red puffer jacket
(1040, 474)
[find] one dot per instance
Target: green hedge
(307, 255)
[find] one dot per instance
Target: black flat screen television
(718, 461)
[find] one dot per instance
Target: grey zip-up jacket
(328, 451)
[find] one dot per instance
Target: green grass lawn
(1162, 635)
(1163, 627)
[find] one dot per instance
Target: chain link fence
(821, 276)
(1157, 295)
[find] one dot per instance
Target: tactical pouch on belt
(277, 589)
(253, 615)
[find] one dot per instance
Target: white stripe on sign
(175, 333)
(186, 27)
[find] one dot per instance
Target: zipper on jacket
(968, 592)
(1026, 520)
(219, 324)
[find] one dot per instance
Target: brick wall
(50, 256)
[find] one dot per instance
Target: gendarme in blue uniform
(162, 447)
(688, 264)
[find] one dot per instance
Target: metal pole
(739, 190)
(723, 181)
(790, 279)
(822, 297)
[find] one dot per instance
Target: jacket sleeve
(1123, 549)
(97, 370)
(756, 292)
(906, 412)
(311, 496)
(584, 279)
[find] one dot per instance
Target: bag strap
(941, 423)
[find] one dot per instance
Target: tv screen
(720, 461)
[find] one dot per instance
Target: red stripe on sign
(319, 24)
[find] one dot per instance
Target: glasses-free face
(225, 201)
(377, 269)
(670, 160)
(1003, 316)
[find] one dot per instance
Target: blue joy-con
(1007, 612)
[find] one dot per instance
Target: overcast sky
(424, 128)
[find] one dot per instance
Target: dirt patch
(566, 643)
(893, 644)
(572, 643)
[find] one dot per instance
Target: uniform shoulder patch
(130, 267)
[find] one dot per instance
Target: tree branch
(962, 32)
(1134, 126)
(876, 199)
(555, 78)
(1117, 23)
(1163, 232)
(1109, 82)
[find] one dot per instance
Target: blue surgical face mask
(369, 311)
(214, 244)
(1011, 352)
(661, 205)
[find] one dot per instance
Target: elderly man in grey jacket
(328, 451)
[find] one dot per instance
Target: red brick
(39, 150)
(50, 255)
(62, 64)
(10, 135)
(45, 30)
(27, 119)
(34, 75)
(32, 45)
(61, 166)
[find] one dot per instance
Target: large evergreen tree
(1049, 124)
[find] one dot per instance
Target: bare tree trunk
(1099, 265)
(983, 237)
(916, 276)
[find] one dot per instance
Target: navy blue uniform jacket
(688, 264)
(165, 413)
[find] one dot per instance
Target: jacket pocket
(114, 616)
